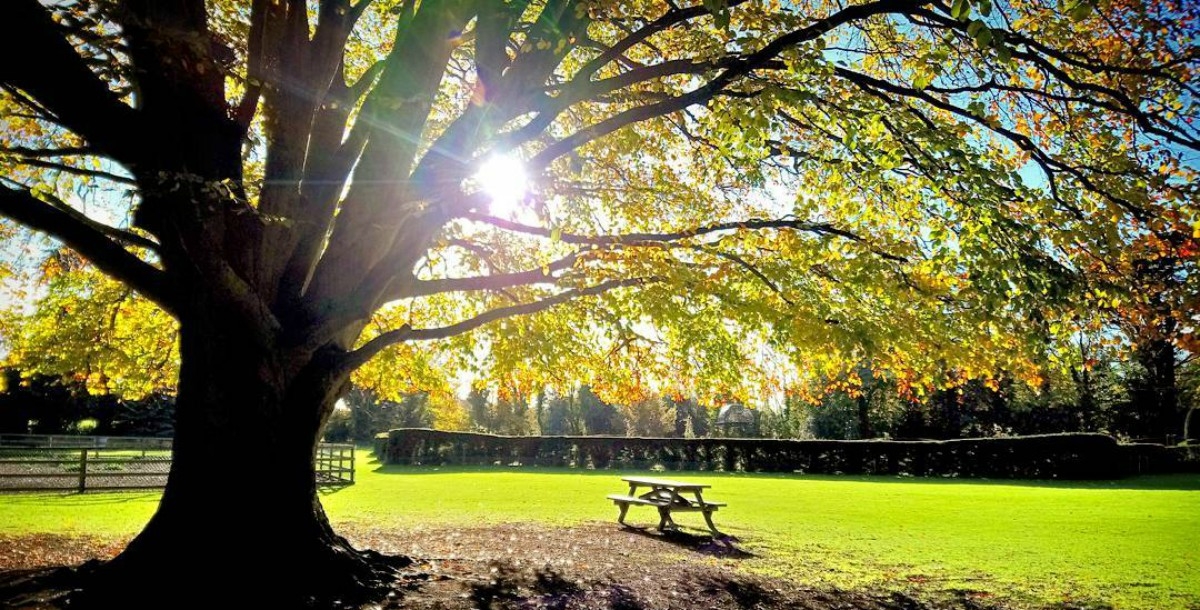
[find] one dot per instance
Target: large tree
(295, 183)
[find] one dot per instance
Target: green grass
(1132, 544)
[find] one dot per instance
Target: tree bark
(241, 512)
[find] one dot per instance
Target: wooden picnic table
(666, 495)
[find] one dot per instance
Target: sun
(503, 179)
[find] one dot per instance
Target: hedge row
(1051, 456)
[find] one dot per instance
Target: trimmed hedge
(1050, 456)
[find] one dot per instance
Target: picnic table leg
(665, 522)
(621, 517)
(711, 527)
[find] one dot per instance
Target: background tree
(298, 185)
(691, 418)
(366, 415)
(85, 326)
(40, 404)
(599, 417)
(649, 417)
(563, 416)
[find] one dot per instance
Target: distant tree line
(1113, 397)
(1124, 399)
(365, 414)
(45, 404)
(578, 413)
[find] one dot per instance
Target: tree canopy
(900, 183)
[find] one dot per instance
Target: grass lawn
(1131, 544)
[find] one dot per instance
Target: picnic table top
(652, 482)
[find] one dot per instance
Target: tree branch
(42, 153)
(877, 86)
(354, 359)
(71, 169)
(496, 281)
(720, 82)
(121, 235)
(110, 257)
(741, 262)
(818, 228)
(61, 82)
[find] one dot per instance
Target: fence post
(352, 448)
(83, 453)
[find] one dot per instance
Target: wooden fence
(335, 464)
(71, 441)
(82, 463)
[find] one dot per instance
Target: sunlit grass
(1132, 544)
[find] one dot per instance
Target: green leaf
(1081, 10)
(719, 9)
(960, 9)
(983, 37)
(555, 234)
(1004, 53)
(721, 19)
(985, 7)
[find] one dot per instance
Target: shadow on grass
(509, 587)
(719, 546)
(549, 589)
(83, 499)
(1166, 482)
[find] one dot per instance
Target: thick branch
(379, 204)
(368, 350)
(121, 235)
(42, 153)
(61, 82)
(110, 257)
(80, 171)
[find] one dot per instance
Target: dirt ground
(520, 567)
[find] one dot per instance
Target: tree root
(335, 576)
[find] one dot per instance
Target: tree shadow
(511, 588)
(724, 545)
(42, 587)
(115, 496)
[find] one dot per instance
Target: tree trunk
(1159, 393)
(865, 429)
(240, 513)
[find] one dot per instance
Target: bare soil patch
(511, 566)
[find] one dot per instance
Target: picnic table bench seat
(691, 504)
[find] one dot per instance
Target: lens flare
(504, 180)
